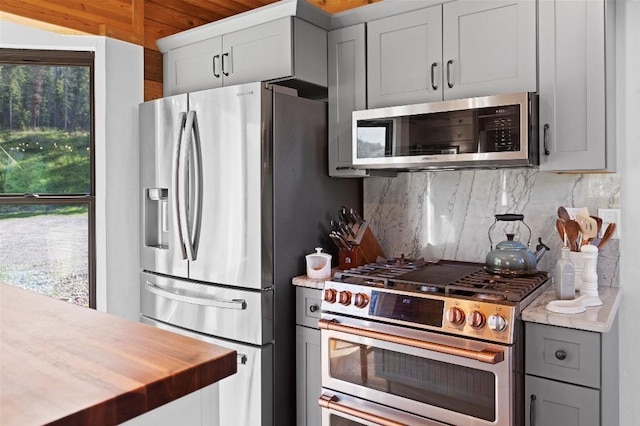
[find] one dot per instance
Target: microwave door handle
(331, 402)
(176, 195)
(486, 356)
(239, 304)
(195, 209)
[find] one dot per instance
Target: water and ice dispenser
(156, 218)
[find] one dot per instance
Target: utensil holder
(364, 249)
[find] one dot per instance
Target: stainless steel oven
(442, 377)
(428, 343)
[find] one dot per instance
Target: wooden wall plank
(176, 18)
(152, 90)
(152, 65)
(209, 14)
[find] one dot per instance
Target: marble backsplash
(447, 215)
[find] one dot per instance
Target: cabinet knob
(561, 355)
(313, 308)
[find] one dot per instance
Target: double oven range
(409, 342)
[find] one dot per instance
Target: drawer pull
(561, 355)
(313, 308)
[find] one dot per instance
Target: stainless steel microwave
(483, 132)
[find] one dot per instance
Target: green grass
(44, 162)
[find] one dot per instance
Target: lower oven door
(448, 379)
(343, 410)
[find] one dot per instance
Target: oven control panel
(473, 318)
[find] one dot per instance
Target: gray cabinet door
(308, 376)
(489, 47)
(262, 52)
(347, 92)
(548, 402)
(402, 50)
(193, 67)
(572, 85)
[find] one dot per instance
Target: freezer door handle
(239, 304)
(176, 194)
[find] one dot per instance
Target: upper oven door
(474, 132)
(448, 379)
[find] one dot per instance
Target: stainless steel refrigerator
(234, 192)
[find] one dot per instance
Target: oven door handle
(331, 402)
(489, 357)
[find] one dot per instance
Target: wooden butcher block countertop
(65, 364)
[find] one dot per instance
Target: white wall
(628, 93)
(118, 91)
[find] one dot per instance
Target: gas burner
(493, 297)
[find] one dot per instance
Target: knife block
(364, 249)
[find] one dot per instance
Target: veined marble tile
(447, 215)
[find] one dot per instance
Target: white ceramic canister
(318, 264)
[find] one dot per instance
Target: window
(47, 191)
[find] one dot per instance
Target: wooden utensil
(573, 233)
(608, 233)
(563, 214)
(588, 227)
(561, 231)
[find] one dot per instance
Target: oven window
(449, 386)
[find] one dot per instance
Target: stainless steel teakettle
(511, 257)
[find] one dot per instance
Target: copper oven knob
(497, 322)
(330, 295)
(361, 300)
(345, 297)
(455, 316)
(476, 319)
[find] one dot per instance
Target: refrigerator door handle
(196, 160)
(176, 182)
(182, 187)
(239, 304)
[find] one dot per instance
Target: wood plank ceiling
(143, 21)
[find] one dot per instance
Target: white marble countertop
(305, 281)
(598, 318)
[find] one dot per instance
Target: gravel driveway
(47, 254)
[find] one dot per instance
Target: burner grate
(513, 289)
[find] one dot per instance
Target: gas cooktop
(448, 296)
(444, 277)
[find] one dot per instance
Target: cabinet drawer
(308, 306)
(563, 354)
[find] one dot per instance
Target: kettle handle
(509, 217)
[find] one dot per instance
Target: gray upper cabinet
(455, 50)
(347, 93)
(577, 103)
(405, 58)
(279, 49)
(489, 48)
